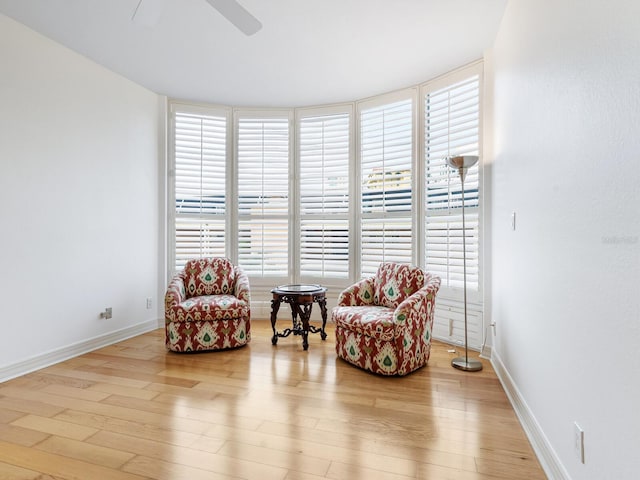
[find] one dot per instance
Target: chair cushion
(210, 307)
(372, 321)
(394, 282)
(209, 276)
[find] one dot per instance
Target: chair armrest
(242, 289)
(176, 294)
(417, 309)
(358, 294)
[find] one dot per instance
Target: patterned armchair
(207, 307)
(383, 323)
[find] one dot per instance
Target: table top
(300, 289)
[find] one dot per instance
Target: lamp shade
(462, 163)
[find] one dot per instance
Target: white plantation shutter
(263, 195)
(199, 185)
(452, 116)
(324, 196)
(386, 148)
(343, 200)
(387, 240)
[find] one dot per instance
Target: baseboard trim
(547, 457)
(65, 353)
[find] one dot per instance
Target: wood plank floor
(134, 411)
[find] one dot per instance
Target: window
(327, 197)
(199, 185)
(324, 151)
(263, 195)
(386, 155)
(451, 119)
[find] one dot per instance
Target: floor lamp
(462, 164)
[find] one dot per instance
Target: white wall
(566, 283)
(79, 190)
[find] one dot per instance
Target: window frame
(176, 107)
(311, 112)
(474, 297)
(259, 113)
(371, 103)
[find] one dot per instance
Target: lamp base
(468, 365)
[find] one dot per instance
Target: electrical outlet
(578, 441)
(149, 303)
(108, 313)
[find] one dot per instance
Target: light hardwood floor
(133, 410)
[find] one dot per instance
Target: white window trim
(256, 113)
(411, 93)
(182, 107)
(474, 298)
(300, 114)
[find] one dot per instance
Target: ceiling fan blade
(148, 13)
(238, 15)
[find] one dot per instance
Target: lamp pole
(462, 165)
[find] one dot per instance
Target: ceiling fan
(148, 13)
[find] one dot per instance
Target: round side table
(301, 299)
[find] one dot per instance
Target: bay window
(325, 194)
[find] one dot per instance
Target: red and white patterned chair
(383, 323)
(207, 307)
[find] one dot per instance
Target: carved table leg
(295, 323)
(322, 302)
(275, 306)
(305, 313)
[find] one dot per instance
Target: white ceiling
(309, 52)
